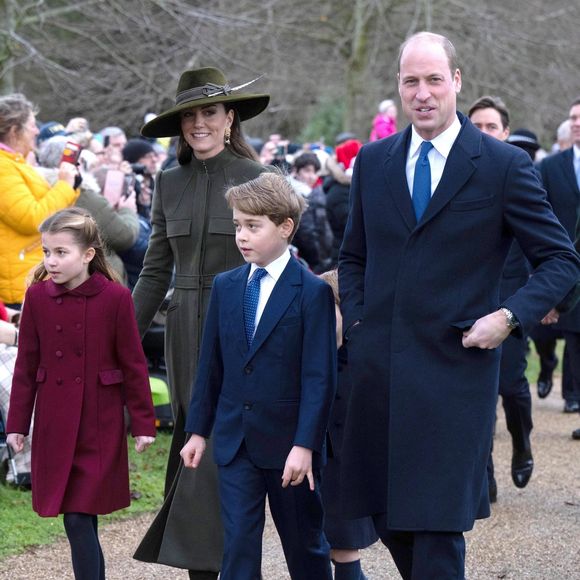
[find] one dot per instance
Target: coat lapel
(458, 168)
(284, 292)
(235, 306)
(396, 178)
(567, 161)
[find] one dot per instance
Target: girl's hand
(16, 441)
(298, 466)
(142, 442)
(193, 451)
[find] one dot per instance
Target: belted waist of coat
(193, 282)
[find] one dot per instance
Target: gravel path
(533, 533)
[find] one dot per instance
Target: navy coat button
(247, 406)
(248, 370)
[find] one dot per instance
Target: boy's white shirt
(268, 282)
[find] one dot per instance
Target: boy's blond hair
(331, 278)
(271, 195)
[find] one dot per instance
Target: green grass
(20, 527)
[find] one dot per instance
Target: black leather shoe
(544, 387)
(492, 487)
(576, 434)
(522, 468)
(571, 406)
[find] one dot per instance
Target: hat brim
(168, 123)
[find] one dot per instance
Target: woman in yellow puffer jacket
(26, 198)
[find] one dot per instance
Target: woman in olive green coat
(194, 237)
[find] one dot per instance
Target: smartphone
(128, 185)
(114, 186)
(71, 152)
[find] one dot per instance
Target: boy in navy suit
(265, 385)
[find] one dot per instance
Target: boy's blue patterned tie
(251, 298)
(422, 181)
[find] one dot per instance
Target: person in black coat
(561, 178)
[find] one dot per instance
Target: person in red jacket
(79, 362)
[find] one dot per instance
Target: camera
(139, 169)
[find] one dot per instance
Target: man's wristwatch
(511, 320)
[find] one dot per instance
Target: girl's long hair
(85, 232)
(238, 145)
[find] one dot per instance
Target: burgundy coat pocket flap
(112, 377)
(40, 375)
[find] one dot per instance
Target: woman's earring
(227, 134)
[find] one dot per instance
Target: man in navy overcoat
(561, 175)
(422, 315)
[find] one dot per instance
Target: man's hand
(487, 332)
(193, 451)
(16, 441)
(142, 442)
(551, 318)
(298, 465)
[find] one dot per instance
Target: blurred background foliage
(327, 64)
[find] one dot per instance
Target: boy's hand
(298, 465)
(16, 441)
(193, 451)
(142, 442)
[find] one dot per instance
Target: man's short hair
(575, 102)
(443, 41)
(271, 195)
(488, 102)
(304, 160)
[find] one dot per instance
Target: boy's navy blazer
(278, 392)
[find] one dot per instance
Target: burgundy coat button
(78, 380)
(58, 353)
(59, 300)
(79, 300)
(59, 381)
(78, 325)
(58, 328)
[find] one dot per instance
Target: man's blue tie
(251, 299)
(422, 181)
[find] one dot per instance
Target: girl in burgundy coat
(80, 362)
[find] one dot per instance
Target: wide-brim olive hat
(199, 87)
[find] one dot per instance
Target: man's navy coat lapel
(567, 161)
(284, 292)
(396, 177)
(459, 167)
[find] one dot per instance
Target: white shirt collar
(576, 153)
(442, 143)
(274, 268)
